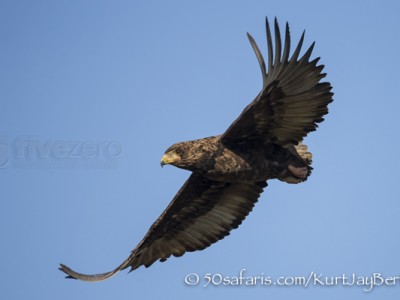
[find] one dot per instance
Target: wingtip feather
(71, 274)
(259, 56)
(278, 43)
(296, 52)
(269, 44)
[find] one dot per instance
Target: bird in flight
(230, 171)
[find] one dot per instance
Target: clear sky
(93, 92)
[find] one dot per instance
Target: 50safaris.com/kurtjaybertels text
(368, 283)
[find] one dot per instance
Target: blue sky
(92, 94)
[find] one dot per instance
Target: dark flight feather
(202, 212)
(290, 88)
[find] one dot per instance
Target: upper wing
(202, 212)
(291, 102)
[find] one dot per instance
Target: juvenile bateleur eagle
(230, 171)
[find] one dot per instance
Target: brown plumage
(229, 171)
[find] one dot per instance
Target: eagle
(230, 171)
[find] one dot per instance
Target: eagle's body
(230, 171)
(210, 158)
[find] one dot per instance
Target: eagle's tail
(301, 152)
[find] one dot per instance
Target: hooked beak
(169, 158)
(162, 163)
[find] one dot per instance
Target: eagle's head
(191, 155)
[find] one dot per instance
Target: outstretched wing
(291, 102)
(202, 212)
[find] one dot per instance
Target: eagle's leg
(299, 172)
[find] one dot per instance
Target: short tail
(301, 152)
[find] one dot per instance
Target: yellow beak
(169, 158)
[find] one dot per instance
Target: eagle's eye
(178, 151)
